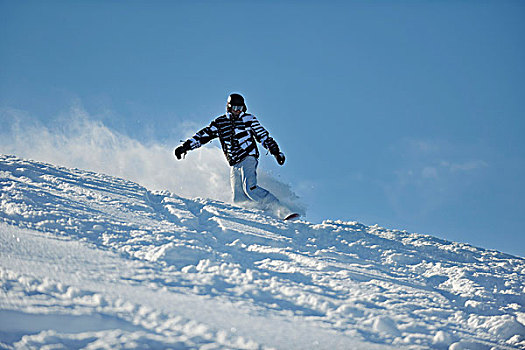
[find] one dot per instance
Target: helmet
(235, 100)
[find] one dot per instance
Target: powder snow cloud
(76, 139)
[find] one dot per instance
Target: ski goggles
(237, 108)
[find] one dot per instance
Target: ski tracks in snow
(158, 269)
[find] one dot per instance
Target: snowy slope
(93, 261)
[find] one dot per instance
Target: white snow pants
(243, 178)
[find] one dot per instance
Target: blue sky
(408, 114)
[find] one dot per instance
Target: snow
(94, 261)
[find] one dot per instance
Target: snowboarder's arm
(200, 138)
(203, 136)
(262, 135)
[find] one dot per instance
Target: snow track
(93, 261)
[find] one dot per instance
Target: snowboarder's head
(236, 104)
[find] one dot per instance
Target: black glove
(280, 158)
(182, 150)
(272, 146)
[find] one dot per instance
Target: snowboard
(291, 217)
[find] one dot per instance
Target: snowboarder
(238, 132)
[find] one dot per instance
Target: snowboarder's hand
(182, 150)
(179, 152)
(280, 158)
(271, 145)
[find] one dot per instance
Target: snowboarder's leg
(249, 181)
(238, 195)
(265, 199)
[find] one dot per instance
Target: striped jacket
(237, 136)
